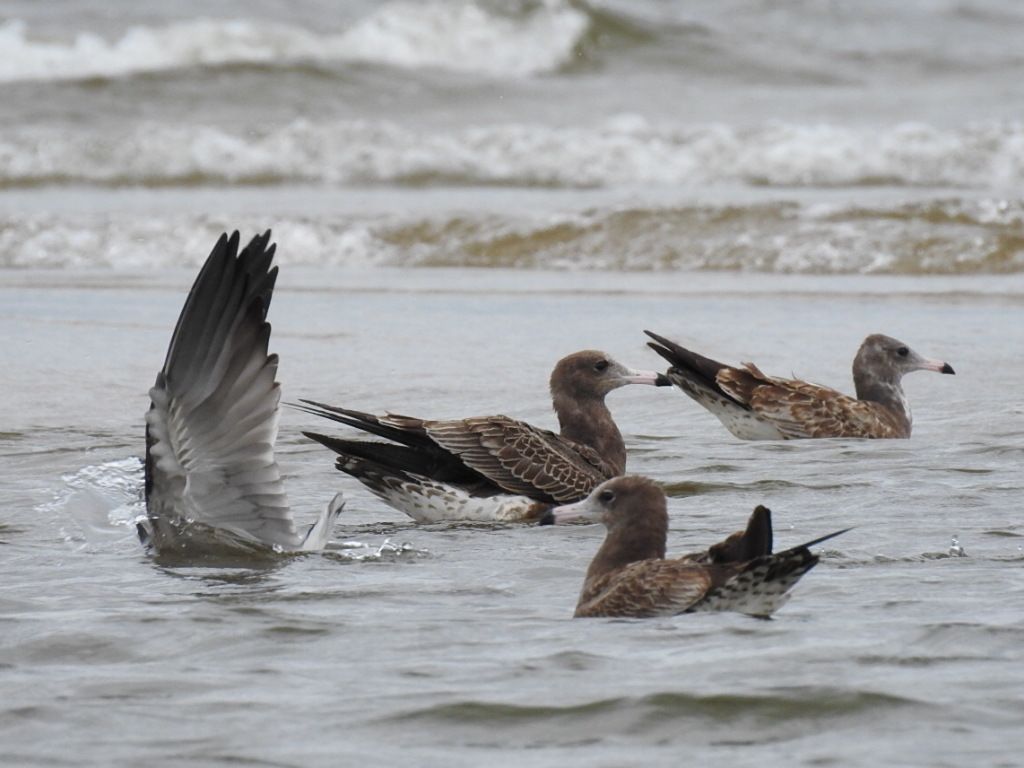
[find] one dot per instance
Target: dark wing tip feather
(255, 261)
(667, 348)
(826, 537)
(689, 364)
(212, 292)
(367, 422)
(390, 457)
(324, 440)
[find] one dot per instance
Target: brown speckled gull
(754, 406)
(630, 577)
(492, 468)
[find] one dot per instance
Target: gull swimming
(754, 406)
(630, 576)
(492, 468)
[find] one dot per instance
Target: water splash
(99, 502)
(386, 550)
(955, 550)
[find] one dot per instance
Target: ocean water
(463, 192)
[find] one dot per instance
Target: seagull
(754, 406)
(492, 468)
(213, 485)
(630, 577)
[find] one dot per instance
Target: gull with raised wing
(213, 486)
(630, 576)
(755, 406)
(492, 468)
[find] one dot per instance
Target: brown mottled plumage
(466, 469)
(754, 406)
(630, 577)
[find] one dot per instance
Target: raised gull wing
(211, 475)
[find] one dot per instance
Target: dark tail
(433, 464)
(367, 422)
(760, 586)
(826, 537)
(795, 561)
(786, 566)
(755, 541)
(697, 368)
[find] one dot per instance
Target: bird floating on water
(754, 406)
(492, 468)
(630, 576)
(213, 486)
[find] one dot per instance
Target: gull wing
(646, 588)
(521, 458)
(801, 409)
(211, 427)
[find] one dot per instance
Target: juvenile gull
(754, 406)
(492, 468)
(630, 577)
(212, 483)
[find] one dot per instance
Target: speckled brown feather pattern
(754, 406)
(520, 458)
(630, 577)
(489, 457)
(645, 589)
(800, 409)
(761, 586)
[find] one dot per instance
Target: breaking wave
(457, 36)
(940, 237)
(626, 150)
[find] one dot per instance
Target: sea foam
(622, 151)
(456, 36)
(937, 237)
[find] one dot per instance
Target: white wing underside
(213, 423)
(214, 458)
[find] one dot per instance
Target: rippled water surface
(454, 644)
(463, 192)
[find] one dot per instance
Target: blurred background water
(463, 192)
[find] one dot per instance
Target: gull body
(631, 577)
(492, 468)
(755, 406)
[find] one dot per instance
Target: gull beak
(569, 513)
(936, 365)
(645, 377)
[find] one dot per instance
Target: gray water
(463, 192)
(454, 644)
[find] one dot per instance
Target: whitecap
(465, 36)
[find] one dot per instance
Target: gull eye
(601, 365)
(605, 496)
(902, 351)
